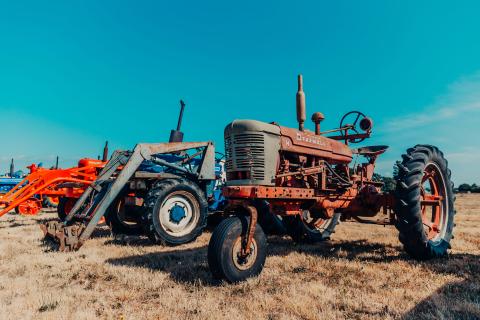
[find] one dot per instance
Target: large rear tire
(424, 204)
(315, 231)
(124, 219)
(271, 223)
(64, 207)
(175, 212)
(225, 247)
(50, 202)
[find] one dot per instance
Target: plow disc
(66, 237)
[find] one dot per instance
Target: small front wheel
(225, 257)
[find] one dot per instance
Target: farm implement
(53, 186)
(162, 190)
(312, 180)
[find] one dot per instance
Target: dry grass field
(361, 274)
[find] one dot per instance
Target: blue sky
(76, 73)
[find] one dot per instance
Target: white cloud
(463, 96)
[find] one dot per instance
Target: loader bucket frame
(100, 194)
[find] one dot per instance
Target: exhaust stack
(301, 108)
(12, 169)
(177, 135)
(56, 163)
(105, 152)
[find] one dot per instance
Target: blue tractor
(165, 191)
(10, 180)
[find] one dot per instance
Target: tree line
(466, 188)
(389, 184)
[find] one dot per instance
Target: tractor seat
(370, 150)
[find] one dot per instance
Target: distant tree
(474, 188)
(395, 168)
(388, 182)
(464, 187)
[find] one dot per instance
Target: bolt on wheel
(434, 206)
(244, 261)
(179, 213)
(29, 207)
(175, 212)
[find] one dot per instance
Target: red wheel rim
(433, 204)
(54, 200)
(30, 207)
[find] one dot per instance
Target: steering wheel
(359, 119)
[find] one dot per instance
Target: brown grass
(361, 274)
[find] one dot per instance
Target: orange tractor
(56, 187)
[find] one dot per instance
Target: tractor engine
(259, 153)
(300, 172)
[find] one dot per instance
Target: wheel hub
(433, 204)
(241, 261)
(30, 207)
(177, 213)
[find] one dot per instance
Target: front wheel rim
(29, 207)
(240, 261)
(179, 213)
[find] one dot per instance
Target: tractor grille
(246, 153)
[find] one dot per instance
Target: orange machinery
(65, 185)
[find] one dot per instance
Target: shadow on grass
(15, 224)
(362, 250)
(126, 240)
(189, 266)
(455, 300)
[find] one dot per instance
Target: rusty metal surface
(261, 192)
(301, 107)
(252, 211)
(67, 238)
(317, 117)
(308, 143)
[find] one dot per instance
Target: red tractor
(311, 180)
